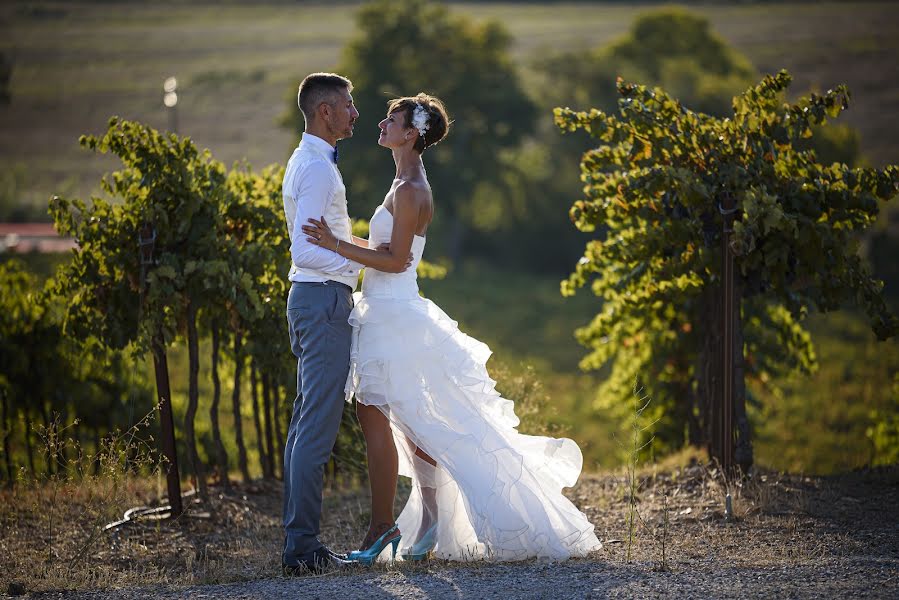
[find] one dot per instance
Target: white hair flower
(420, 119)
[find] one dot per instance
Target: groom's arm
(313, 192)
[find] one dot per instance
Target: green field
(75, 65)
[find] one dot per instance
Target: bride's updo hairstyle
(436, 123)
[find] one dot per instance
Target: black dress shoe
(319, 560)
(338, 555)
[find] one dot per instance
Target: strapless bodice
(397, 285)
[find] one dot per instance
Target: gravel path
(850, 577)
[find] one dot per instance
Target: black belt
(328, 282)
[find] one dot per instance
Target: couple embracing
(427, 406)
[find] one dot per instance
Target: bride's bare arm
(359, 241)
(393, 260)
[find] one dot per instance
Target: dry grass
(779, 520)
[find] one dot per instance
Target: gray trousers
(320, 338)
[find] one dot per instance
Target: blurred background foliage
(504, 179)
(401, 48)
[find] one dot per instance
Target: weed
(637, 431)
(56, 519)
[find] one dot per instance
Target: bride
(428, 408)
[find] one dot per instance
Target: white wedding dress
(499, 492)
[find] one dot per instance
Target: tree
(884, 430)
(185, 250)
(36, 361)
(29, 357)
(47, 375)
(220, 455)
(669, 47)
(166, 188)
(654, 188)
(259, 251)
(403, 48)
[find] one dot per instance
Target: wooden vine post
(163, 389)
(723, 430)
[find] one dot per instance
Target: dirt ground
(790, 536)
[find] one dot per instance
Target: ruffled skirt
(498, 492)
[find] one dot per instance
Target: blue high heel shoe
(367, 557)
(421, 549)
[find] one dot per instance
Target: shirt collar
(319, 145)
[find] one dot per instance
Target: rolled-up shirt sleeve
(312, 192)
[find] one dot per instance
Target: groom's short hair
(317, 88)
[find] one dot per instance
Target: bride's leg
(424, 456)
(382, 469)
(426, 476)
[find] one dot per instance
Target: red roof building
(21, 238)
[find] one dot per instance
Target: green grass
(517, 311)
(819, 423)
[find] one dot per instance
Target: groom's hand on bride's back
(385, 247)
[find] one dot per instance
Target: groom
(318, 305)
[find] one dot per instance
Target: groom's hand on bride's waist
(385, 247)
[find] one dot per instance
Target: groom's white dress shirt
(312, 188)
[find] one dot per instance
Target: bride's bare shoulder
(411, 194)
